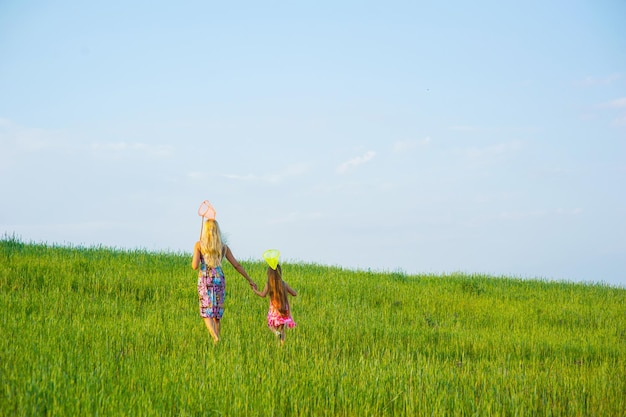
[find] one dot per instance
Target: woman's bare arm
(262, 293)
(195, 261)
(233, 261)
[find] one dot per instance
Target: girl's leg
(210, 325)
(281, 329)
(275, 331)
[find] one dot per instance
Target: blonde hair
(277, 290)
(211, 245)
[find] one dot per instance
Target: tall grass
(100, 331)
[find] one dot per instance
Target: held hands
(253, 285)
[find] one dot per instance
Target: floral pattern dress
(211, 291)
(275, 319)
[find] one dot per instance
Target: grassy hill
(97, 331)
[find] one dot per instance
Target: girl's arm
(262, 293)
(290, 290)
(238, 267)
(195, 261)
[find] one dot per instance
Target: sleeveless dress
(275, 319)
(211, 290)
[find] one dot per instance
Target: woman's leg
(216, 323)
(210, 324)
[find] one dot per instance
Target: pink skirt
(275, 319)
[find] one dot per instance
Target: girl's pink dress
(275, 319)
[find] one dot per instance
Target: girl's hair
(277, 291)
(211, 244)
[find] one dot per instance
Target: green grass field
(105, 332)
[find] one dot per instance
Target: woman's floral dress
(211, 291)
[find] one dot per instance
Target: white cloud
(118, 149)
(618, 103)
(268, 178)
(197, 175)
(595, 81)
(407, 145)
(556, 171)
(294, 217)
(620, 120)
(22, 139)
(354, 162)
(272, 178)
(463, 128)
(534, 214)
(17, 142)
(569, 212)
(27, 139)
(493, 150)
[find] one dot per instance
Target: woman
(208, 253)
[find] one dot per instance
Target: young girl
(207, 255)
(279, 314)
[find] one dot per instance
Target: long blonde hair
(277, 290)
(211, 245)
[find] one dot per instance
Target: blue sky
(424, 137)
